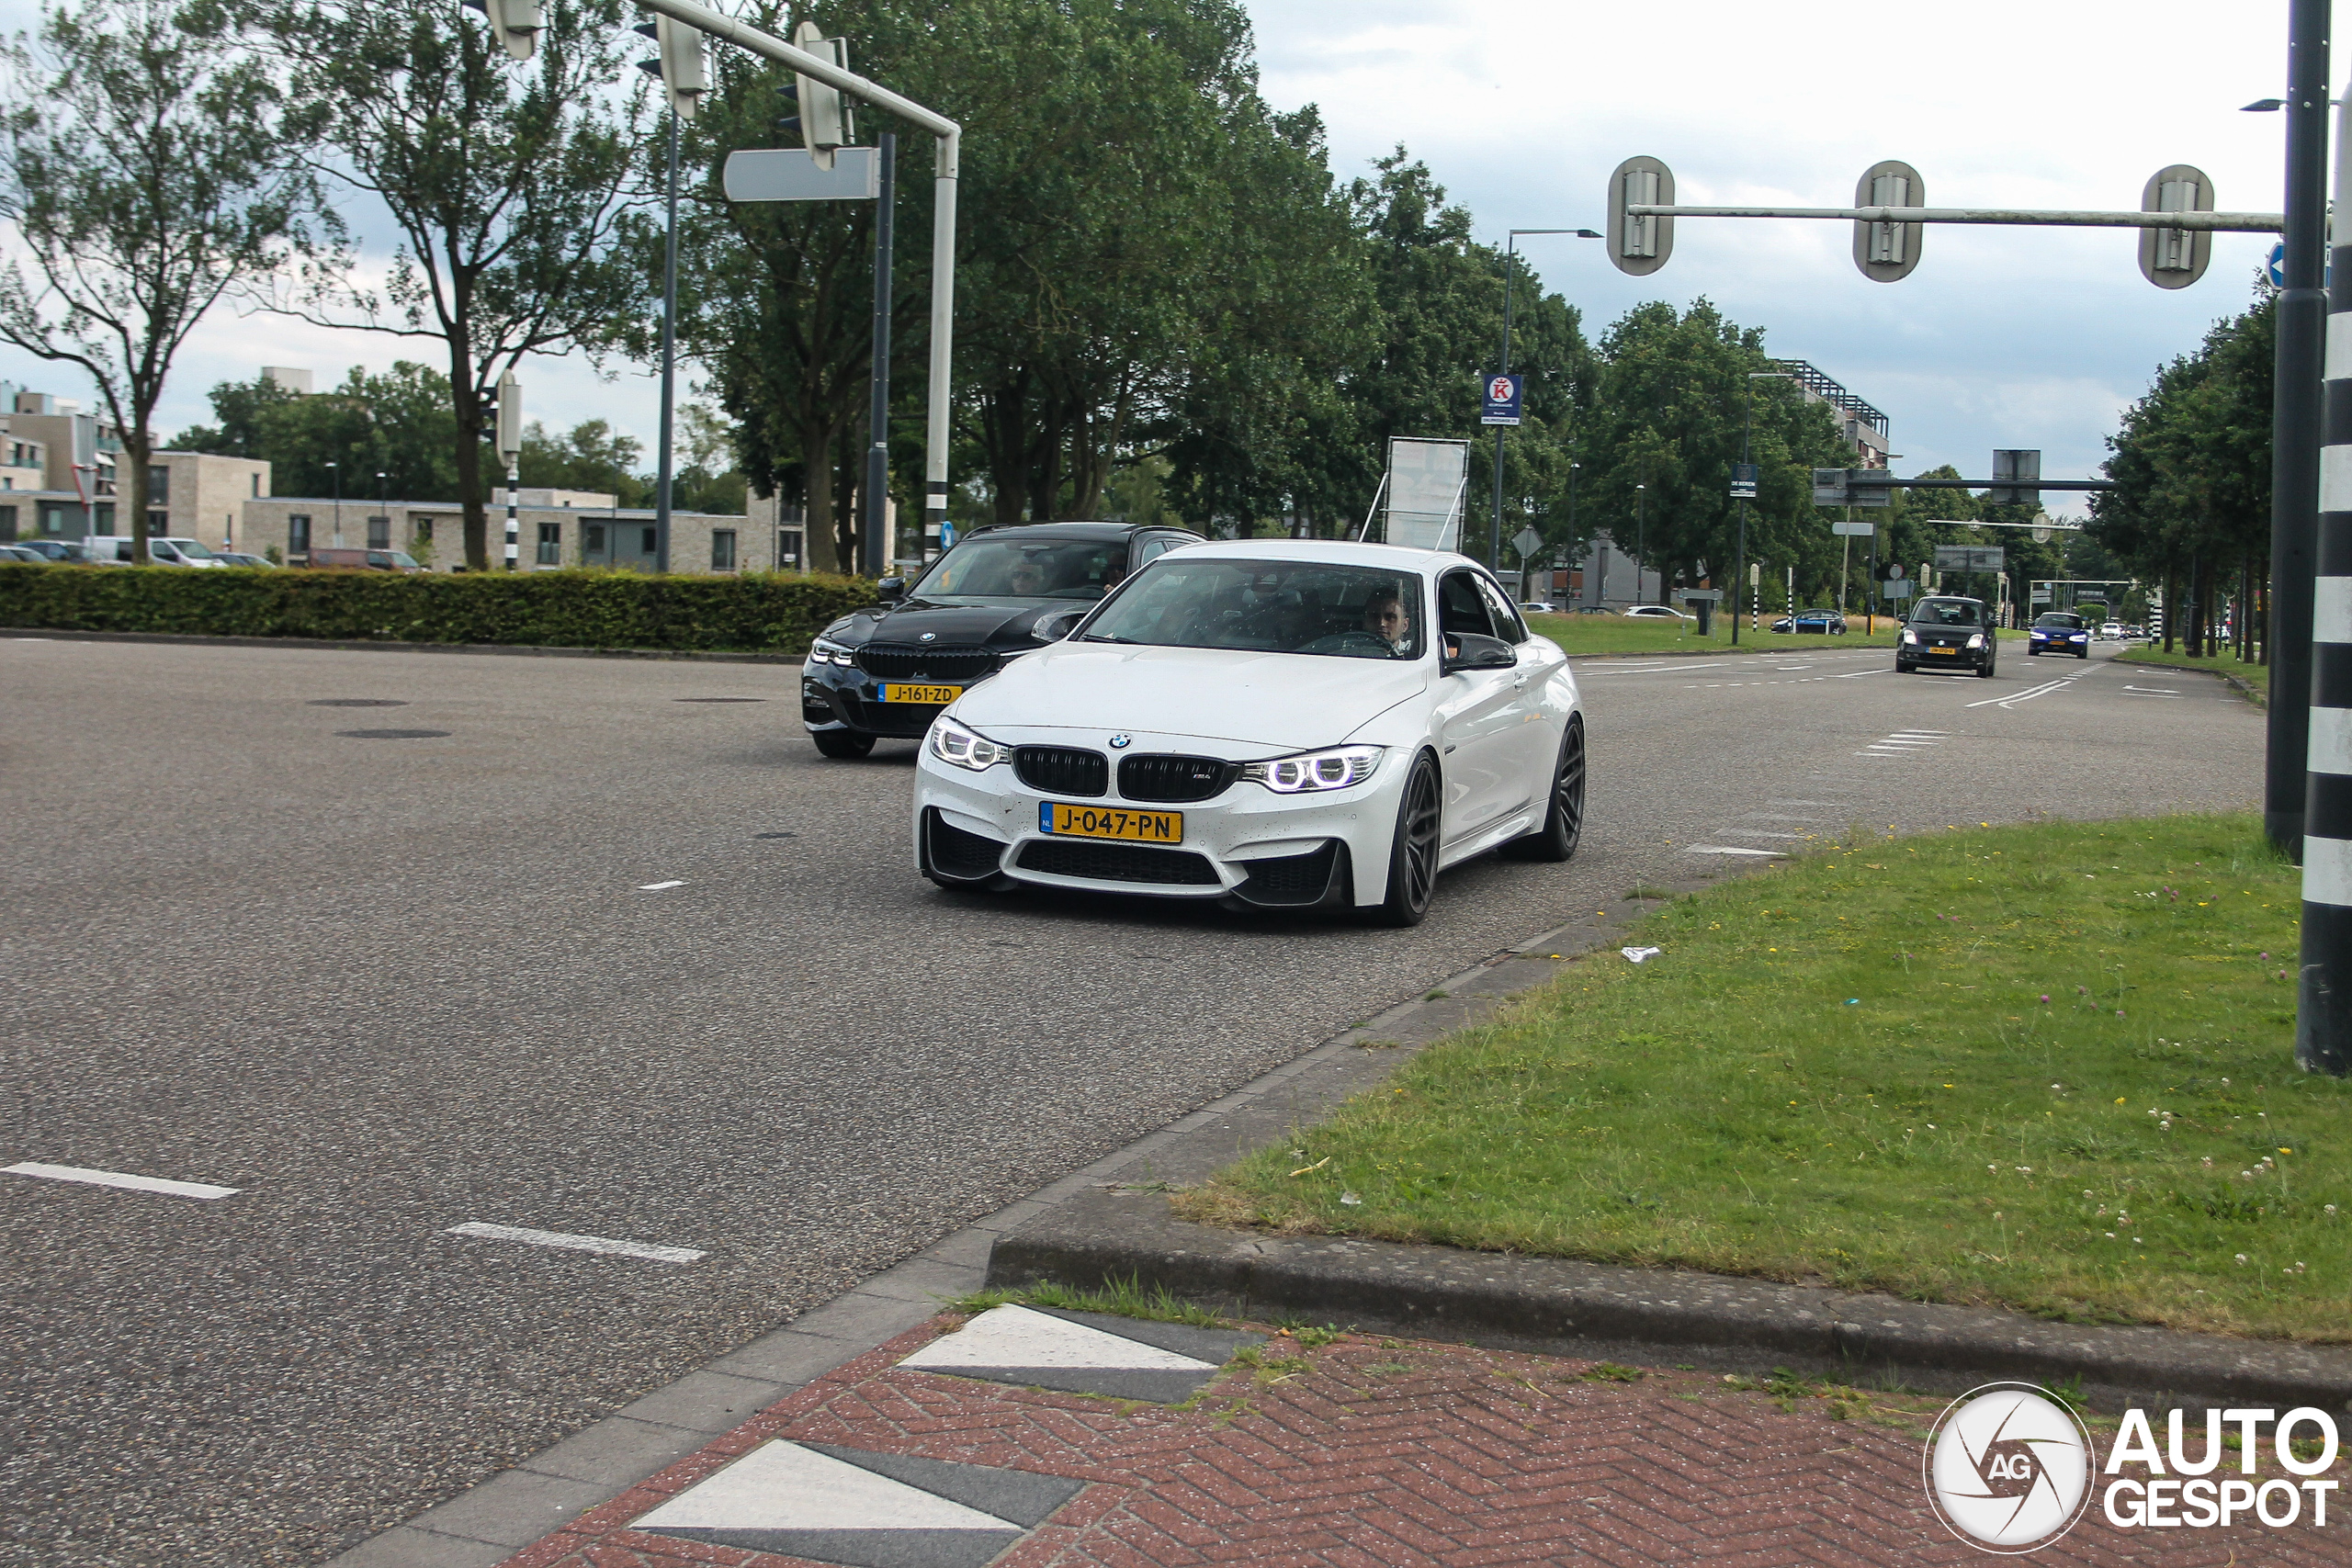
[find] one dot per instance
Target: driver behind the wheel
(1386, 617)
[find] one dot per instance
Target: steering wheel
(1356, 642)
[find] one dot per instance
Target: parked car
(887, 671)
(1658, 612)
(1947, 633)
(2058, 631)
(238, 557)
(19, 553)
(1540, 607)
(53, 549)
(1286, 722)
(1826, 623)
(1594, 610)
(162, 549)
(363, 560)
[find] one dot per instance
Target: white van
(114, 550)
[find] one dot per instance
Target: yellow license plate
(1109, 822)
(902, 692)
(1943, 651)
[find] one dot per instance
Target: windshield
(2064, 622)
(1024, 569)
(1342, 612)
(188, 548)
(1948, 613)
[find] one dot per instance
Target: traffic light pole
(950, 137)
(2324, 987)
(878, 543)
(664, 469)
(2303, 307)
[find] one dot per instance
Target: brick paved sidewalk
(1365, 1452)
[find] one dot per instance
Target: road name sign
(1743, 480)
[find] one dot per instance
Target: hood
(1000, 623)
(1286, 702)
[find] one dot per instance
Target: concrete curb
(62, 634)
(1571, 1308)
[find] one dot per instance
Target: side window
(1153, 548)
(1508, 626)
(1460, 608)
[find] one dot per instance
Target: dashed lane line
(203, 1189)
(657, 886)
(1733, 849)
(577, 1242)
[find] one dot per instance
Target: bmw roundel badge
(1120, 742)
(928, 636)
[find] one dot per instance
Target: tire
(1984, 671)
(2033, 653)
(847, 744)
(1563, 824)
(1412, 851)
(1903, 668)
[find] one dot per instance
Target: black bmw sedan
(1947, 633)
(885, 671)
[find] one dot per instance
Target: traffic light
(2175, 258)
(824, 120)
(1887, 251)
(1640, 245)
(683, 64)
(502, 416)
(515, 22)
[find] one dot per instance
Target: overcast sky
(2017, 337)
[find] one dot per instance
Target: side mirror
(1056, 625)
(891, 589)
(1476, 652)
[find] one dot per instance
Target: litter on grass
(1638, 953)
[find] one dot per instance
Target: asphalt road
(384, 987)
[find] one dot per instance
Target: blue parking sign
(1501, 406)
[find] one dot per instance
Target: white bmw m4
(1269, 722)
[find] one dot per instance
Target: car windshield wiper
(1104, 637)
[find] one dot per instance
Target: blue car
(2059, 632)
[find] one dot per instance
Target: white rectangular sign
(1854, 530)
(790, 173)
(1425, 484)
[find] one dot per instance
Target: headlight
(951, 742)
(2080, 637)
(823, 652)
(1335, 769)
(1909, 636)
(1976, 641)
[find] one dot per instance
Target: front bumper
(841, 696)
(1246, 843)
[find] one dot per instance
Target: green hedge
(764, 612)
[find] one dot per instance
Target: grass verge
(2048, 1067)
(2255, 675)
(1633, 634)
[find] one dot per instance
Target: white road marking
(783, 1487)
(118, 1178)
(577, 1242)
(1764, 833)
(2029, 693)
(1731, 850)
(657, 886)
(1017, 1336)
(1832, 804)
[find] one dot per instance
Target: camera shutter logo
(2008, 1468)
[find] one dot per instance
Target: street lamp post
(1510, 265)
(336, 470)
(384, 506)
(1641, 544)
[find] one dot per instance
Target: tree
(151, 171)
(398, 425)
(510, 186)
(591, 456)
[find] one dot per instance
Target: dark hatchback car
(2056, 631)
(1945, 633)
(885, 671)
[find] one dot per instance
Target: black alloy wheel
(843, 743)
(1412, 853)
(1564, 817)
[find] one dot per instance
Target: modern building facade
(558, 528)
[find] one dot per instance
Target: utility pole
(879, 545)
(1641, 541)
(2323, 986)
(684, 68)
(2295, 499)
